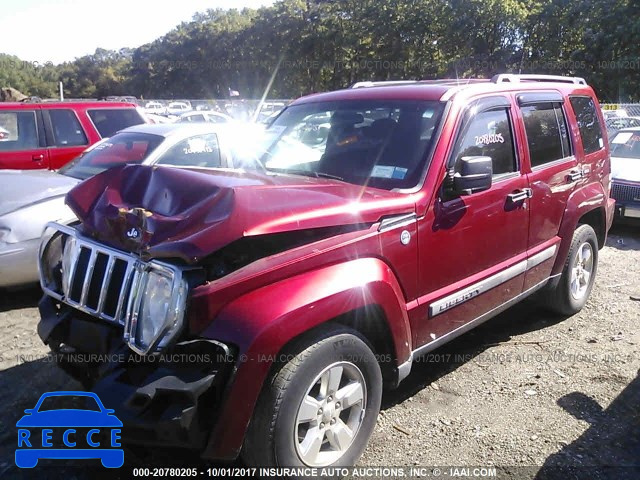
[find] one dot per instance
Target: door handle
(37, 158)
(520, 195)
(574, 176)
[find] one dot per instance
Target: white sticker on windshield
(382, 171)
(388, 171)
(622, 138)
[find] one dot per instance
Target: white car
(210, 117)
(30, 199)
(625, 172)
(177, 108)
(155, 108)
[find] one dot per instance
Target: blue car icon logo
(69, 433)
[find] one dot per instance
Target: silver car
(31, 198)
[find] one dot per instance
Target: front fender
(580, 202)
(262, 322)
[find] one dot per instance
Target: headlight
(156, 308)
(69, 259)
(50, 260)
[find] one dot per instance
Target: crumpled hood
(21, 188)
(165, 212)
(625, 169)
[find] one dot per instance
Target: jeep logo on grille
(134, 233)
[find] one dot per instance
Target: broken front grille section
(99, 279)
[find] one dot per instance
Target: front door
(472, 248)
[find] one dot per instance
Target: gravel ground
(527, 392)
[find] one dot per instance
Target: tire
(573, 289)
(288, 431)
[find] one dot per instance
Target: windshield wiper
(307, 173)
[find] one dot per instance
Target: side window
(18, 131)
(108, 121)
(489, 134)
(547, 134)
(198, 151)
(67, 131)
(588, 123)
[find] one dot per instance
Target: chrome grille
(100, 278)
(625, 192)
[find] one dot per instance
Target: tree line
(307, 46)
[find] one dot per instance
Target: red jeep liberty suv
(259, 312)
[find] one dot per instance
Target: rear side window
(489, 134)
(588, 123)
(18, 131)
(547, 134)
(110, 121)
(67, 131)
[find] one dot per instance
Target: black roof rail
(516, 78)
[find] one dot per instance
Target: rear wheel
(320, 408)
(578, 275)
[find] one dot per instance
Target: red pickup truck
(261, 312)
(50, 134)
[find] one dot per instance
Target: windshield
(626, 145)
(61, 402)
(383, 144)
(120, 149)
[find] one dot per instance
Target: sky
(61, 30)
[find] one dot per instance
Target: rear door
(553, 172)
(65, 135)
(472, 248)
(23, 144)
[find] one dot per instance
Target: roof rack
(513, 78)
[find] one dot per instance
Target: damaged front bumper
(166, 399)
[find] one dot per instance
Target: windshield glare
(626, 145)
(120, 149)
(383, 144)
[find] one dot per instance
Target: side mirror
(473, 175)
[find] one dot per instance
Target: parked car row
(239, 112)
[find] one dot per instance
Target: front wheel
(578, 275)
(320, 408)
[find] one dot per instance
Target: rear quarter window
(108, 121)
(588, 123)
